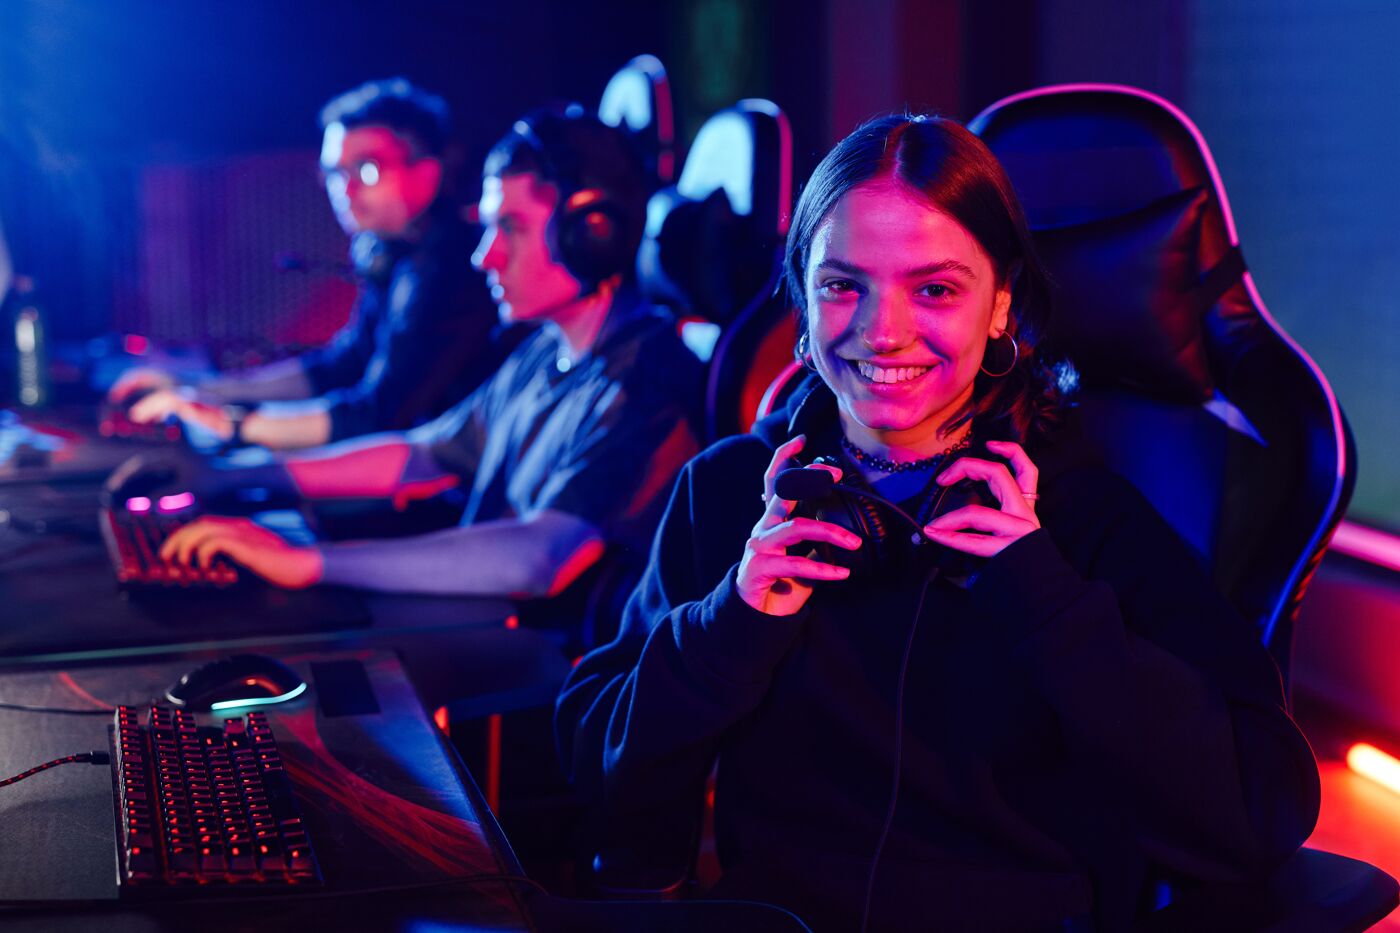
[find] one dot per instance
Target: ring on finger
(1032, 496)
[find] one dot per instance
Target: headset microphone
(802, 483)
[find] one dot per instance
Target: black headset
(592, 232)
(892, 541)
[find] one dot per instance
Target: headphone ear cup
(874, 530)
(856, 515)
(952, 563)
(590, 243)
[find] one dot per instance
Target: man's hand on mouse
(167, 473)
(248, 544)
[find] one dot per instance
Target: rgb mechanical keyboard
(205, 805)
(134, 537)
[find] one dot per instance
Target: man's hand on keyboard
(140, 378)
(182, 403)
(245, 542)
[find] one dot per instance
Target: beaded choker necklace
(867, 459)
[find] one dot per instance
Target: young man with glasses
(421, 336)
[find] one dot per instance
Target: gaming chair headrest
(597, 226)
(638, 100)
(1126, 212)
(712, 239)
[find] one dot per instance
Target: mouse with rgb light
(240, 680)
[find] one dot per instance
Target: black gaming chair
(638, 97)
(713, 252)
(1192, 391)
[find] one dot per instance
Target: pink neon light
(1248, 279)
(181, 500)
(136, 345)
(759, 105)
(138, 504)
(1369, 544)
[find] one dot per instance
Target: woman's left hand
(1015, 491)
(247, 543)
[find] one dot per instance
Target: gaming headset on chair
(594, 232)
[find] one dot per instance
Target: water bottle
(31, 356)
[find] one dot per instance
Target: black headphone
(892, 541)
(591, 232)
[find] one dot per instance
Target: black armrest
(1314, 891)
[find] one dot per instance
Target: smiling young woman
(1022, 745)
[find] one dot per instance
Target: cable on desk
(92, 758)
(58, 710)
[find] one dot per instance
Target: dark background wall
(156, 157)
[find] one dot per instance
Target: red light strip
(1370, 762)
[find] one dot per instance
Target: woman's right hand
(770, 579)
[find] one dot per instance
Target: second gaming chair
(713, 252)
(638, 98)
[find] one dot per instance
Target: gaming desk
(403, 837)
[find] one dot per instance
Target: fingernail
(843, 572)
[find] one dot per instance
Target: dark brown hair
(419, 116)
(957, 174)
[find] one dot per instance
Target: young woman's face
(901, 301)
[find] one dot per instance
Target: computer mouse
(139, 475)
(240, 680)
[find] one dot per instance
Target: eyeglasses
(367, 171)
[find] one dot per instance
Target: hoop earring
(804, 352)
(1015, 357)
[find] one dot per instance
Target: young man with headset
(420, 337)
(567, 451)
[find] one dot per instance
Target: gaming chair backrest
(713, 252)
(1188, 384)
(638, 98)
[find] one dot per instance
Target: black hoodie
(1088, 714)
